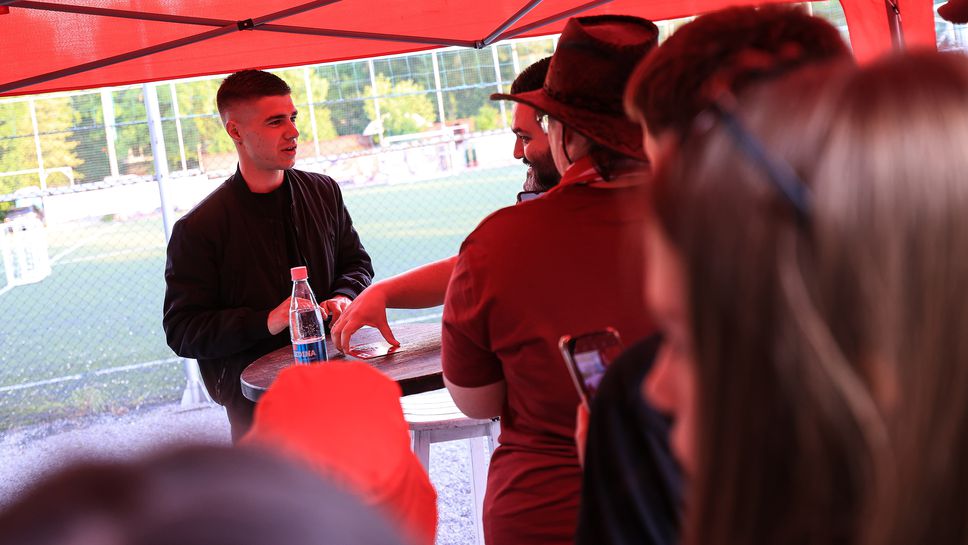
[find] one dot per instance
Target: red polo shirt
(566, 263)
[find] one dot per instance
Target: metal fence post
(376, 101)
(178, 127)
(110, 132)
(193, 386)
(40, 154)
(312, 108)
(500, 85)
(440, 92)
(158, 153)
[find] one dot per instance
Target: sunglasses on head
(779, 172)
(543, 120)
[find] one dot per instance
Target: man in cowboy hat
(586, 241)
(424, 286)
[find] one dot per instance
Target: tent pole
(489, 39)
(234, 26)
(43, 78)
(554, 18)
(428, 40)
(894, 20)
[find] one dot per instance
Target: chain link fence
(420, 151)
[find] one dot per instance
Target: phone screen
(591, 367)
(372, 350)
(587, 357)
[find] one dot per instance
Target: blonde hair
(828, 349)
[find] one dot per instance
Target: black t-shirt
(631, 487)
(279, 203)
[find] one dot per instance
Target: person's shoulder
(213, 206)
(310, 178)
(499, 221)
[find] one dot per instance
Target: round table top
(415, 365)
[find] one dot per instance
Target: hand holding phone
(587, 356)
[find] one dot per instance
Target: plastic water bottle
(305, 321)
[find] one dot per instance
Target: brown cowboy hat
(587, 77)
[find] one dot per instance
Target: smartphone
(586, 357)
(371, 350)
(528, 195)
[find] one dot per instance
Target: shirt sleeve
(195, 325)
(354, 269)
(467, 358)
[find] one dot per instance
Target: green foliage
(296, 78)
(533, 51)
(407, 110)
(196, 101)
(133, 143)
(89, 136)
(18, 150)
(488, 118)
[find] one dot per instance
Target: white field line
(79, 244)
(79, 376)
(107, 255)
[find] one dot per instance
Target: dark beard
(541, 177)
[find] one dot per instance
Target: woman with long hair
(807, 266)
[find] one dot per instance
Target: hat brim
(616, 132)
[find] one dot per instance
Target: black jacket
(631, 489)
(228, 267)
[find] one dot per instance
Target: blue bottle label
(309, 352)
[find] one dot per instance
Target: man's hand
(369, 308)
(334, 307)
(279, 318)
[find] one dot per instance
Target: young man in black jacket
(227, 275)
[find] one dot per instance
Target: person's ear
(232, 128)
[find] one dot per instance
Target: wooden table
(415, 365)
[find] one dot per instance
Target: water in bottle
(305, 321)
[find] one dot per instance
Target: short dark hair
(668, 88)
(249, 85)
(531, 78)
(194, 495)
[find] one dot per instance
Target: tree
(406, 108)
(296, 79)
(55, 118)
(487, 119)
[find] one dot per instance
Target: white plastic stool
(433, 418)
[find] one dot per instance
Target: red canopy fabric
(70, 44)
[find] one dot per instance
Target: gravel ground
(30, 453)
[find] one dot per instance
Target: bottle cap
(298, 273)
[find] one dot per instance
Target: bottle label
(309, 352)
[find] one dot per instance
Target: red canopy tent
(60, 45)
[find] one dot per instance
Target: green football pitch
(88, 338)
